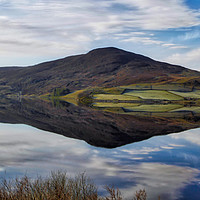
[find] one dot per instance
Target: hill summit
(103, 67)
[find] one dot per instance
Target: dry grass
(114, 90)
(186, 79)
(72, 97)
(114, 194)
(58, 186)
(140, 195)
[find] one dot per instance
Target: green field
(175, 108)
(169, 111)
(170, 115)
(154, 108)
(137, 100)
(149, 94)
(115, 97)
(153, 86)
(133, 109)
(194, 109)
(114, 105)
(154, 94)
(194, 94)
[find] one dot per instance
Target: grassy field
(194, 109)
(169, 111)
(154, 86)
(171, 115)
(133, 107)
(154, 108)
(117, 94)
(194, 94)
(154, 94)
(114, 105)
(114, 97)
(161, 110)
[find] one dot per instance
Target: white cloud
(168, 45)
(189, 59)
(144, 40)
(190, 35)
(59, 28)
(179, 47)
(138, 37)
(158, 14)
(174, 46)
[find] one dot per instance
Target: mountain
(104, 67)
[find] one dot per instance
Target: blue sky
(33, 31)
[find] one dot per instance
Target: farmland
(156, 86)
(115, 97)
(141, 107)
(154, 108)
(194, 94)
(135, 100)
(114, 105)
(153, 94)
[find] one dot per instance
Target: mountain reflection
(96, 127)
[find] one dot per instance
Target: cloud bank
(50, 29)
(190, 58)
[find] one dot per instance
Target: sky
(34, 31)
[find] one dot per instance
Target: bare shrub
(58, 186)
(55, 187)
(140, 195)
(114, 194)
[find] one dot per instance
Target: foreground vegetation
(58, 186)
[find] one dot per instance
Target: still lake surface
(167, 166)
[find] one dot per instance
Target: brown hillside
(107, 67)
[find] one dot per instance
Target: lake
(131, 152)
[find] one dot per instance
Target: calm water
(168, 166)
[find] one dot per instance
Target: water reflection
(168, 166)
(98, 128)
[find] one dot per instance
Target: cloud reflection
(192, 136)
(160, 179)
(28, 150)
